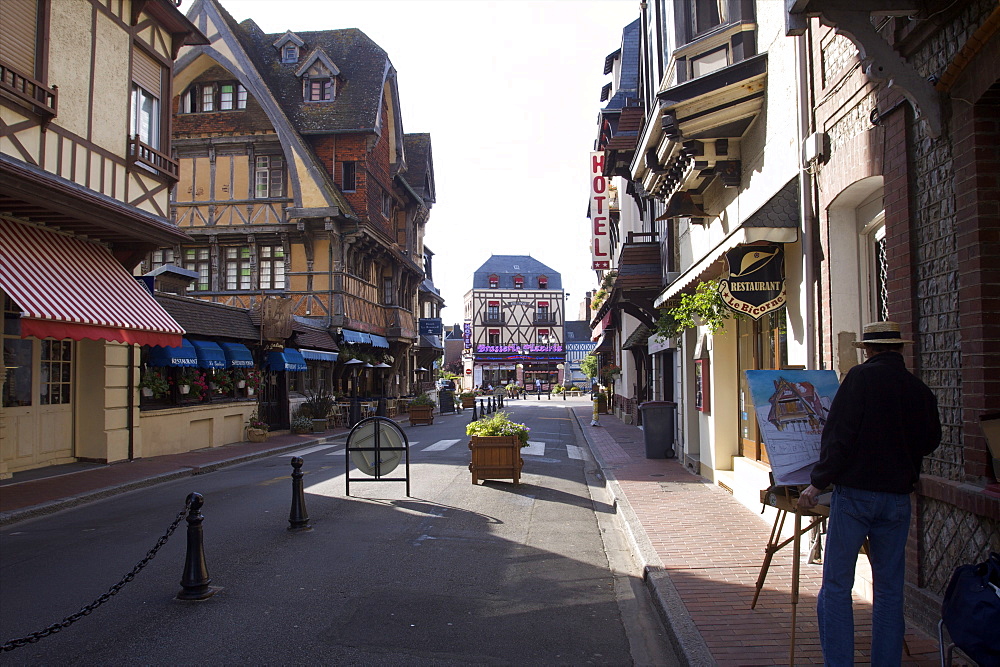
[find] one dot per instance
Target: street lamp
(381, 366)
(353, 367)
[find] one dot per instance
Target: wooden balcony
(43, 99)
(150, 158)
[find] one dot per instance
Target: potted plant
(495, 447)
(154, 383)
(468, 399)
(421, 410)
(257, 428)
(224, 382)
(254, 378)
(318, 406)
(302, 424)
(239, 377)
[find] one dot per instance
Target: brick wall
(251, 120)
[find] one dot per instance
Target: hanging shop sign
(756, 282)
(599, 216)
(431, 326)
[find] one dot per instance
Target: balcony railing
(43, 99)
(495, 319)
(545, 318)
(149, 157)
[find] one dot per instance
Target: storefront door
(762, 346)
(37, 402)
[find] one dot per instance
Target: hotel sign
(600, 245)
(756, 282)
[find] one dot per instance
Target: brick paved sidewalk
(703, 549)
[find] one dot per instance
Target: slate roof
(314, 338)
(628, 79)
(362, 65)
(781, 210)
(504, 267)
(454, 333)
(639, 267)
(419, 164)
(203, 318)
(577, 331)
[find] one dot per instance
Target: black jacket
(883, 421)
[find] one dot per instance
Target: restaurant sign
(756, 282)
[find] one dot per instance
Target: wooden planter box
(496, 457)
(468, 401)
(421, 414)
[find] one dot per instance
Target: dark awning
(183, 355)
(356, 337)
(237, 355)
(286, 360)
(210, 355)
(318, 355)
(379, 341)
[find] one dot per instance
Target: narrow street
(455, 574)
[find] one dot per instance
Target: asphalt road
(454, 574)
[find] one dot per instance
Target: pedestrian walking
(882, 422)
(538, 385)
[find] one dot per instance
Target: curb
(684, 635)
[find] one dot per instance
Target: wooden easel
(781, 499)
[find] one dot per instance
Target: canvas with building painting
(791, 408)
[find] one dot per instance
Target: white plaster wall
(69, 66)
(112, 87)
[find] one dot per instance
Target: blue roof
(628, 78)
(505, 267)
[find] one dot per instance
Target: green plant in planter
(155, 380)
(301, 424)
(705, 306)
(319, 404)
(467, 394)
(499, 425)
(423, 399)
(256, 422)
(590, 365)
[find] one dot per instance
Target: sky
(509, 91)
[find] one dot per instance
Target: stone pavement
(700, 548)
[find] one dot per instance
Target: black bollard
(550, 393)
(482, 408)
(195, 580)
(298, 517)
(539, 393)
(474, 415)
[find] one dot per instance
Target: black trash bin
(658, 428)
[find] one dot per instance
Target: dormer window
(518, 282)
(543, 282)
(494, 282)
(319, 78)
(289, 46)
(320, 90)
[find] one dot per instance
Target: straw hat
(881, 332)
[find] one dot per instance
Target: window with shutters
(147, 82)
(269, 177)
(320, 90)
(23, 33)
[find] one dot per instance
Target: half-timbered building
(515, 312)
(297, 182)
(85, 177)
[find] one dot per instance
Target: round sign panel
(364, 436)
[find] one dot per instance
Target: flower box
(256, 435)
(421, 414)
(319, 425)
(496, 457)
(468, 401)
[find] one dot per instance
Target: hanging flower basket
(184, 388)
(147, 392)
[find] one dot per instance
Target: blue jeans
(884, 518)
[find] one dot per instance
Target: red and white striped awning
(70, 288)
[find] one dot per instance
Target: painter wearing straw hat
(882, 422)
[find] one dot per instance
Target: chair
(390, 407)
(338, 414)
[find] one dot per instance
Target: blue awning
(184, 355)
(379, 341)
(210, 355)
(318, 355)
(286, 360)
(237, 355)
(356, 337)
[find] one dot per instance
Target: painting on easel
(791, 408)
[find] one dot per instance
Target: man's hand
(807, 499)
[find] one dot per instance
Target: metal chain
(73, 618)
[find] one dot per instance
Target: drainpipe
(130, 416)
(806, 212)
